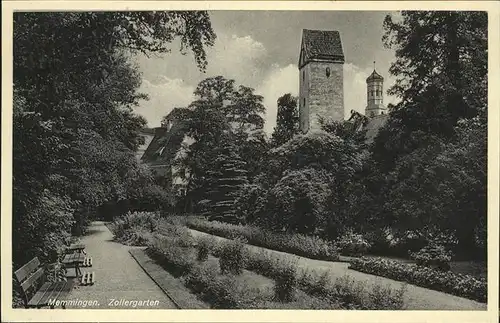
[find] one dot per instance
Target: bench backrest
(29, 275)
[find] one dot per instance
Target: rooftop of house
(374, 125)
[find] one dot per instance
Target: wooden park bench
(31, 276)
(76, 257)
(76, 248)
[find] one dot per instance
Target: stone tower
(321, 91)
(375, 95)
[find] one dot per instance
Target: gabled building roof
(321, 44)
(372, 125)
(165, 145)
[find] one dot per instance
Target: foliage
(205, 246)
(228, 291)
(286, 282)
(135, 229)
(307, 184)
(448, 282)
(225, 180)
(438, 252)
(349, 294)
(45, 229)
(75, 133)
(287, 120)
(352, 244)
(427, 165)
(298, 244)
(434, 256)
(297, 203)
(173, 254)
(251, 203)
(222, 115)
(232, 257)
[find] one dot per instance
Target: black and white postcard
(335, 161)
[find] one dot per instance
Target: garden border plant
(445, 281)
(294, 243)
(342, 291)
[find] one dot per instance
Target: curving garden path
(118, 277)
(416, 298)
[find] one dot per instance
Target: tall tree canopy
(287, 120)
(75, 133)
(441, 77)
(223, 115)
(424, 155)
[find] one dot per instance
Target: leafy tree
(287, 120)
(425, 172)
(307, 183)
(222, 112)
(299, 201)
(441, 77)
(74, 129)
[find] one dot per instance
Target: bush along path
(120, 282)
(446, 281)
(414, 297)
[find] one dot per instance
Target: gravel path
(118, 277)
(416, 298)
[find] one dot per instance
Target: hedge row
(298, 244)
(446, 281)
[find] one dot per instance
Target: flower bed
(224, 291)
(457, 284)
(342, 291)
(298, 244)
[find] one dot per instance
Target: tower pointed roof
(374, 76)
(321, 44)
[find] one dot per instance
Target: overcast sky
(260, 49)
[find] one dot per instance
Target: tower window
(303, 75)
(327, 72)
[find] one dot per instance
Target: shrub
(437, 253)
(434, 256)
(232, 257)
(145, 220)
(315, 284)
(457, 284)
(222, 291)
(250, 203)
(298, 202)
(173, 253)
(135, 228)
(286, 282)
(307, 246)
(385, 298)
(137, 237)
(350, 294)
(205, 246)
(352, 244)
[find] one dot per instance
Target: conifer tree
(226, 178)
